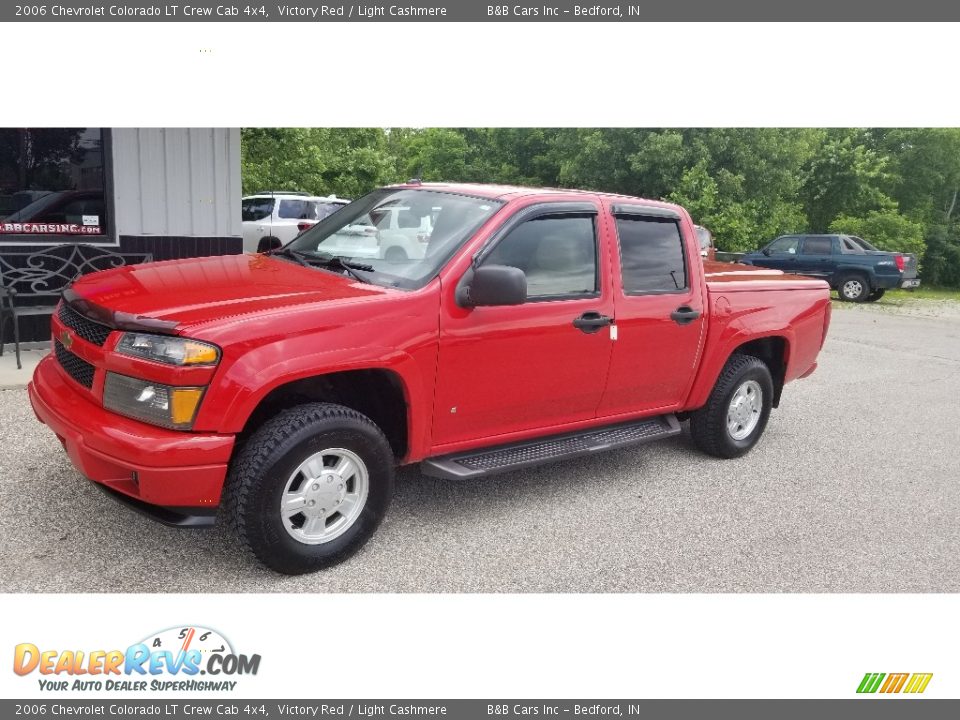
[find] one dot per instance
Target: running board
(489, 461)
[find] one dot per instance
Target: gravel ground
(854, 488)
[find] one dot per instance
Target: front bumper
(150, 466)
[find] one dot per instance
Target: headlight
(154, 403)
(168, 349)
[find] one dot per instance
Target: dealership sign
(29, 228)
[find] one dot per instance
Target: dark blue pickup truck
(854, 268)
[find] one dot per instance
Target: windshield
(862, 243)
(405, 235)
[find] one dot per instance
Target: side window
(784, 245)
(296, 210)
(651, 255)
(255, 209)
(849, 246)
(818, 246)
(557, 253)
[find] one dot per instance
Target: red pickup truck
(531, 325)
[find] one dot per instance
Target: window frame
(109, 238)
(539, 211)
(655, 214)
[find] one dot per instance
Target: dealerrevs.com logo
(188, 658)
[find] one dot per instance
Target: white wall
(177, 181)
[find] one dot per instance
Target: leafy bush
(886, 229)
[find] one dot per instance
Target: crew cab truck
(283, 388)
(857, 270)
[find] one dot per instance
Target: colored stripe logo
(914, 683)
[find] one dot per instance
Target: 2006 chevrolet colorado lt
(537, 325)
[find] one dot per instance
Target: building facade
(169, 192)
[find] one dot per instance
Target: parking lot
(854, 488)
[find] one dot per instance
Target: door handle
(591, 322)
(684, 315)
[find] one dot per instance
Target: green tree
(886, 229)
(345, 161)
(845, 177)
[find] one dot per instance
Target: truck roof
(501, 192)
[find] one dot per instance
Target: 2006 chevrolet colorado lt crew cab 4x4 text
(284, 388)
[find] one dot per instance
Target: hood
(178, 293)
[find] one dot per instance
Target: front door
(781, 254)
(528, 367)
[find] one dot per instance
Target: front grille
(77, 368)
(92, 332)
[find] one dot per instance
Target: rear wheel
(310, 487)
(876, 295)
(853, 288)
(736, 413)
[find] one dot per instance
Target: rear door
(660, 307)
(816, 257)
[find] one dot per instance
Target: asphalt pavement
(855, 487)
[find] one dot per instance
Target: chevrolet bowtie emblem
(66, 339)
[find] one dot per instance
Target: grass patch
(923, 293)
(897, 298)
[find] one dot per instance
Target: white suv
(394, 234)
(269, 217)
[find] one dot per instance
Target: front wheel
(310, 487)
(736, 413)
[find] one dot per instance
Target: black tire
(267, 243)
(395, 254)
(708, 425)
(876, 295)
(260, 471)
(853, 288)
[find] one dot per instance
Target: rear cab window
(817, 246)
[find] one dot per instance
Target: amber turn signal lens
(183, 405)
(195, 353)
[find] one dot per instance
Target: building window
(52, 185)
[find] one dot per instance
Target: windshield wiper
(327, 261)
(339, 262)
(292, 254)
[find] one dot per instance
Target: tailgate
(909, 266)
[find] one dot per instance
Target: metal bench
(31, 282)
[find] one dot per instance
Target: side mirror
(266, 244)
(766, 251)
(492, 285)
